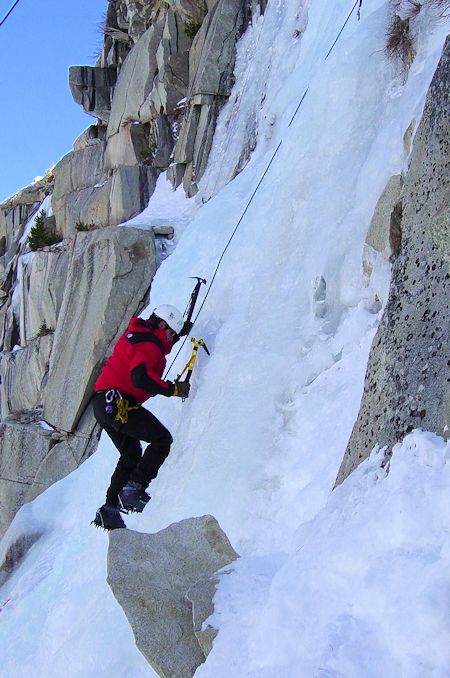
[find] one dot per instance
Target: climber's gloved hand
(181, 389)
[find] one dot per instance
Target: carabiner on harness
(110, 397)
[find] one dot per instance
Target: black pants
(133, 465)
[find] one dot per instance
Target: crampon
(108, 518)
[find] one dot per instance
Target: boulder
(150, 575)
(140, 13)
(6, 278)
(135, 144)
(110, 272)
(32, 194)
(92, 88)
(201, 596)
(23, 375)
(406, 383)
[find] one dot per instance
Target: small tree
(191, 27)
(83, 226)
(398, 39)
(44, 330)
(39, 236)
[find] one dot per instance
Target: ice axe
(191, 303)
(188, 324)
(191, 362)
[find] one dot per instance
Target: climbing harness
(191, 362)
(123, 405)
(123, 410)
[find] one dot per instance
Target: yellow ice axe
(191, 362)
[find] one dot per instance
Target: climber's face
(170, 334)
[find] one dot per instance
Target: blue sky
(39, 120)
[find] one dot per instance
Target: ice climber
(131, 375)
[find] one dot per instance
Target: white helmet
(171, 316)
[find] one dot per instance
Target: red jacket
(137, 363)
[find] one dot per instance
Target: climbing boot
(133, 498)
(108, 517)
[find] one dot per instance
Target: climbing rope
(358, 2)
(344, 25)
(9, 12)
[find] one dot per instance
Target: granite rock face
(64, 305)
(14, 214)
(378, 236)
(9, 331)
(138, 16)
(78, 175)
(151, 575)
(33, 457)
(66, 454)
(201, 596)
(87, 191)
(406, 384)
(92, 87)
(23, 375)
(74, 301)
(153, 72)
(94, 134)
(42, 281)
(109, 274)
(23, 446)
(154, 76)
(211, 64)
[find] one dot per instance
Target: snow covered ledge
(165, 584)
